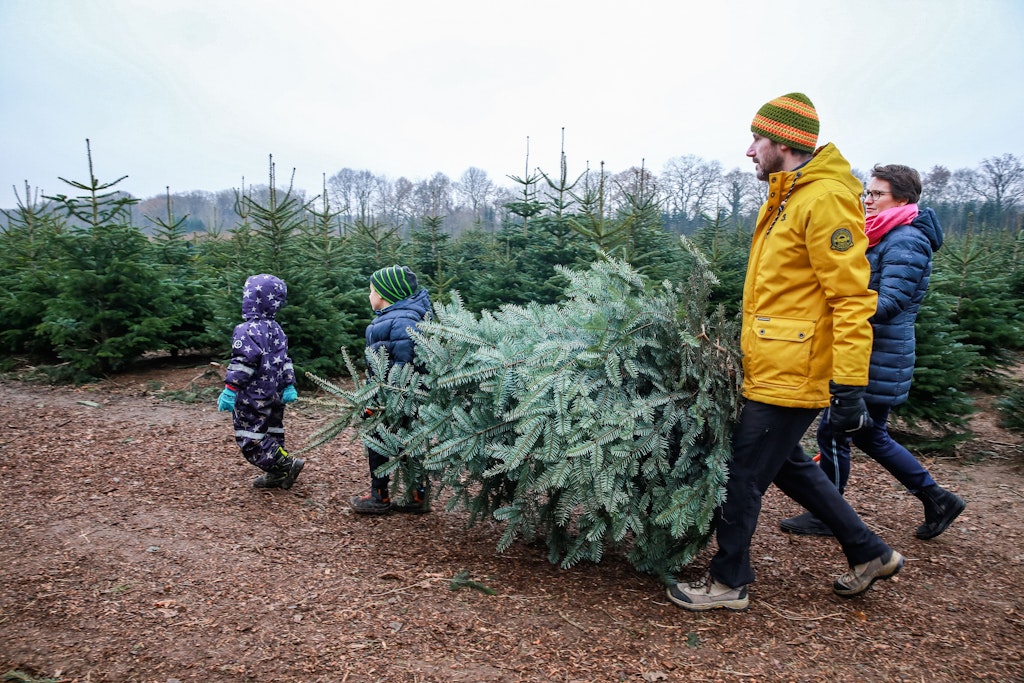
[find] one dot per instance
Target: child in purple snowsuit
(260, 381)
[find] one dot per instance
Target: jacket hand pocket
(780, 351)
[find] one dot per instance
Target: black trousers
(766, 450)
(376, 460)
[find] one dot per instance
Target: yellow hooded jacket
(806, 302)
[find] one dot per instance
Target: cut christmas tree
(599, 422)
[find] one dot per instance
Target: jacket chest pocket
(780, 351)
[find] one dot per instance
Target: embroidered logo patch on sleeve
(842, 239)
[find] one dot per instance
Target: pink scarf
(876, 226)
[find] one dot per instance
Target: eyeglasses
(875, 194)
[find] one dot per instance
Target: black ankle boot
(376, 502)
(284, 474)
(805, 524)
(941, 507)
(419, 502)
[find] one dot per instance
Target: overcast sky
(197, 94)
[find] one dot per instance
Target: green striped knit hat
(394, 283)
(790, 120)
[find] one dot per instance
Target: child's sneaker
(375, 502)
(283, 475)
(419, 503)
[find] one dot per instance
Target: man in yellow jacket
(806, 343)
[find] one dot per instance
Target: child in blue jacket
(260, 381)
(398, 304)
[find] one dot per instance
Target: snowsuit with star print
(259, 371)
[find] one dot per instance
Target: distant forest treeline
(688, 191)
(94, 279)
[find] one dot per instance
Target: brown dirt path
(133, 548)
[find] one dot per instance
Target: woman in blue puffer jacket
(901, 240)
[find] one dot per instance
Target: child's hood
(262, 297)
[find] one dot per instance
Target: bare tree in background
(636, 182)
(741, 194)
(434, 196)
(1000, 180)
(355, 193)
(341, 187)
(404, 201)
(475, 190)
(936, 184)
(691, 186)
(952, 194)
(366, 189)
(502, 196)
(961, 186)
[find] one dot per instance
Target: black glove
(847, 412)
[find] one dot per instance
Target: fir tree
(601, 422)
(430, 257)
(649, 249)
(275, 222)
(1011, 409)
(526, 205)
(374, 245)
(727, 250)
(29, 273)
(979, 274)
(243, 257)
(189, 292)
(561, 203)
(109, 306)
(286, 247)
(944, 367)
(592, 221)
(339, 280)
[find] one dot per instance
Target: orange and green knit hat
(790, 120)
(394, 283)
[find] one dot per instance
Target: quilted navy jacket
(390, 327)
(901, 265)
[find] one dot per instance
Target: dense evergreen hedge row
(85, 292)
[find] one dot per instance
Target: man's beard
(768, 163)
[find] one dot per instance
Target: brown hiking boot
(862, 576)
(706, 593)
